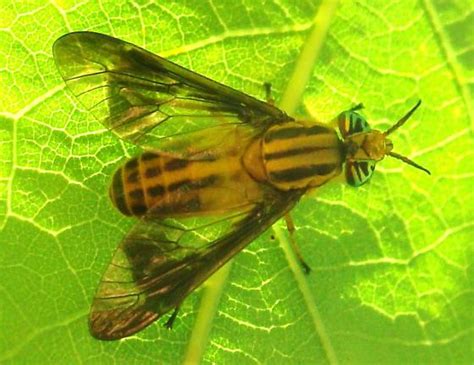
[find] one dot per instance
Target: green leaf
(392, 261)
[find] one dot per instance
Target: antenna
(394, 128)
(408, 161)
(402, 121)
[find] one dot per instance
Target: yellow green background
(392, 278)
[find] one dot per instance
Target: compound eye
(351, 123)
(359, 172)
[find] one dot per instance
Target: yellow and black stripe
(287, 156)
(298, 157)
(155, 179)
(174, 186)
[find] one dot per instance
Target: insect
(218, 168)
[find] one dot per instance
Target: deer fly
(218, 168)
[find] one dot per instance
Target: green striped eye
(351, 123)
(359, 172)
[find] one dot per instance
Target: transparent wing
(161, 261)
(132, 91)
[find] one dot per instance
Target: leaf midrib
(291, 98)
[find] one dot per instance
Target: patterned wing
(133, 91)
(161, 261)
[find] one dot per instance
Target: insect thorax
(296, 157)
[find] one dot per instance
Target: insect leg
(268, 93)
(170, 321)
(291, 228)
(356, 107)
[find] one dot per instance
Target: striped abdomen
(173, 186)
(296, 156)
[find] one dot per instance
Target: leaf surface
(392, 260)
